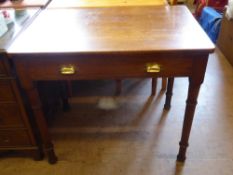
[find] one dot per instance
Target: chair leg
(154, 86)
(164, 83)
(167, 104)
(118, 87)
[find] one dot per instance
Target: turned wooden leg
(188, 119)
(118, 87)
(36, 106)
(52, 158)
(164, 83)
(154, 86)
(167, 104)
(195, 81)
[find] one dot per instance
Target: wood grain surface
(116, 29)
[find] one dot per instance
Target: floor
(138, 137)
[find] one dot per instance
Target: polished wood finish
(6, 93)
(225, 39)
(2, 69)
(113, 30)
(103, 3)
(112, 43)
(153, 86)
(167, 104)
(15, 129)
(109, 3)
(14, 138)
(10, 115)
(100, 66)
(164, 83)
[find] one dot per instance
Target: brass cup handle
(67, 70)
(153, 68)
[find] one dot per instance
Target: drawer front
(13, 138)
(96, 67)
(10, 115)
(6, 91)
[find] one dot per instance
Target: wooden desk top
(24, 4)
(118, 29)
(102, 3)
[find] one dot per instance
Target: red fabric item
(219, 5)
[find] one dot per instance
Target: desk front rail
(94, 66)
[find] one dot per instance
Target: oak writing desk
(111, 43)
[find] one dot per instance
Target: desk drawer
(6, 91)
(46, 68)
(10, 115)
(13, 138)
